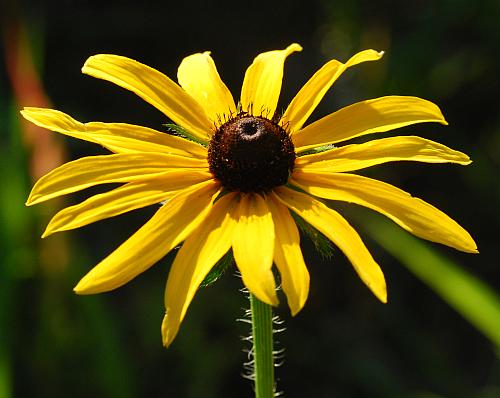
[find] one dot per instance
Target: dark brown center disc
(251, 154)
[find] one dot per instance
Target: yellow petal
(198, 75)
(117, 137)
(154, 87)
(128, 197)
(367, 117)
(358, 156)
(288, 256)
(199, 253)
(125, 138)
(413, 214)
(338, 230)
(169, 226)
(253, 246)
(310, 95)
(262, 84)
(94, 170)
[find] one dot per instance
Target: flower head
(238, 174)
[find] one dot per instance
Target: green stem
(262, 333)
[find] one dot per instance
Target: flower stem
(262, 333)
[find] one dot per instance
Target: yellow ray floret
(199, 253)
(367, 117)
(262, 84)
(359, 156)
(153, 87)
(117, 137)
(288, 256)
(170, 225)
(309, 96)
(337, 229)
(413, 214)
(94, 170)
(198, 75)
(253, 246)
(125, 198)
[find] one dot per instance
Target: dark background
(344, 343)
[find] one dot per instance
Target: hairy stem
(262, 333)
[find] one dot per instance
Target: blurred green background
(439, 335)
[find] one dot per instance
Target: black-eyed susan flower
(235, 183)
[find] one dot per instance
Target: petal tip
(86, 66)
(166, 343)
(294, 47)
(467, 244)
(379, 289)
(78, 289)
(27, 113)
(368, 55)
(273, 299)
(472, 249)
(294, 310)
(168, 334)
(381, 295)
(32, 199)
(27, 109)
(268, 297)
(83, 287)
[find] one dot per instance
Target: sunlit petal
(198, 75)
(170, 225)
(117, 137)
(253, 246)
(94, 170)
(367, 117)
(413, 214)
(154, 87)
(359, 156)
(126, 198)
(262, 84)
(338, 230)
(309, 96)
(199, 253)
(288, 256)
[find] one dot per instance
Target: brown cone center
(251, 154)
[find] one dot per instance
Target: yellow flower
(236, 182)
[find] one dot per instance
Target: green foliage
(472, 298)
(218, 270)
(182, 132)
(318, 149)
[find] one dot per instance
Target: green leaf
(476, 301)
(182, 132)
(218, 270)
(318, 149)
